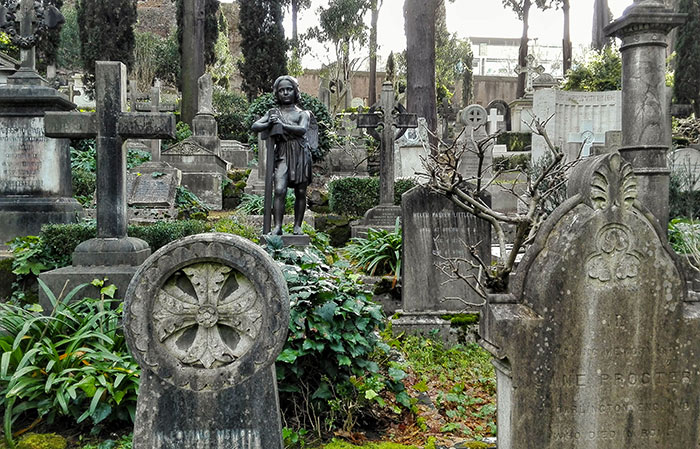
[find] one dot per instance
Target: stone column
(192, 56)
(643, 28)
(386, 155)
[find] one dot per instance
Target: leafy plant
(252, 204)
(189, 205)
(72, 363)
(379, 253)
(231, 108)
(602, 71)
(354, 196)
(182, 132)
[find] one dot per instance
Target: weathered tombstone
(112, 254)
(8, 66)
(474, 119)
(151, 193)
(237, 154)
(410, 151)
(613, 142)
(586, 138)
(154, 104)
(432, 223)
(597, 344)
(206, 317)
(324, 93)
(204, 126)
(384, 215)
(35, 173)
(503, 109)
(574, 113)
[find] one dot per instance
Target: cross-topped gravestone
(34, 17)
(494, 118)
(474, 119)
(530, 71)
(389, 115)
(109, 125)
(586, 137)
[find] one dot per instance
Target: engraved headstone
(597, 342)
(206, 317)
(435, 229)
(410, 151)
(474, 119)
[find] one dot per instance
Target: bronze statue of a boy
(291, 130)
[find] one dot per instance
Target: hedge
(354, 196)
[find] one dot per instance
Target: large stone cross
(34, 17)
(153, 105)
(493, 119)
(388, 115)
(110, 125)
(586, 137)
(530, 70)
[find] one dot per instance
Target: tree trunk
(601, 17)
(522, 54)
(566, 45)
(419, 17)
(372, 94)
(295, 36)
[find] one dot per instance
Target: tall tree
(601, 17)
(419, 21)
(106, 29)
(686, 87)
(372, 95)
(263, 45)
(522, 9)
(566, 41)
(295, 6)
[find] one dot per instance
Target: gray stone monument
(384, 216)
(530, 71)
(597, 342)
(35, 173)
(206, 317)
(474, 119)
(204, 126)
(112, 254)
(433, 223)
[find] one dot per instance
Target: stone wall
(156, 16)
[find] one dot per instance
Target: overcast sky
(478, 18)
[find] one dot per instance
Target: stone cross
(154, 103)
(110, 125)
(586, 137)
(34, 19)
(530, 70)
(391, 115)
(493, 119)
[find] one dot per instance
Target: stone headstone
(410, 151)
(574, 112)
(433, 223)
(203, 172)
(236, 154)
(613, 142)
(586, 138)
(474, 119)
(206, 317)
(113, 253)
(151, 192)
(597, 342)
(324, 93)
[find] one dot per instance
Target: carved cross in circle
(476, 116)
(207, 315)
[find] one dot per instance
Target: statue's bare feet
(277, 230)
(298, 231)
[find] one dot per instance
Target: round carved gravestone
(473, 116)
(206, 317)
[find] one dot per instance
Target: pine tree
(106, 30)
(263, 45)
(686, 88)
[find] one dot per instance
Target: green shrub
(84, 183)
(189, 205)
(252, 204)
(600, 72)
(163, 232)
(265, 102)
(515, 141)
(182, 132)
(231, 109)
(237, 225)
(354, 196)
(518, 162)
(73, 363)
(379, 254)
(326, 370)
(684, 201)
(42, 441)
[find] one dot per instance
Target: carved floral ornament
(207, 312)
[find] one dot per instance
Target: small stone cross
(586, 137)
(494, 118)
(530, 72)
(391, 115)
(110, 124)
(34, 17)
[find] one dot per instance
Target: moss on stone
(461, 319)
(42, 441)
(339, 444)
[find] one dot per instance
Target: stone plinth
(206, 317)
(379, 217)
(35, 174)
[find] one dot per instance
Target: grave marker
(494, 119)
(474, 119)
(530, 71)
(205, 317)
(586, 138)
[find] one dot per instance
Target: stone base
(257, 220)
(254, 184)
(291, 239)
(380, 217)
(65, 279)
(23, 215)
(168, 417)
(207, 187)
(147, 216)
(433, 325)
(111, 251)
